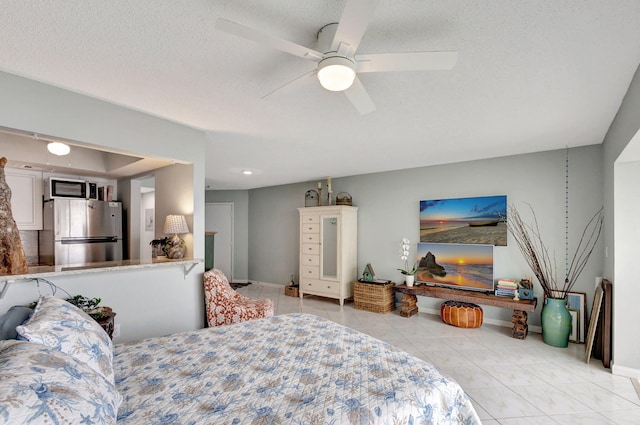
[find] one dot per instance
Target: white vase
(408, 279)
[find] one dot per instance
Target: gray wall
(148, 301)
(240, 200)
(622, 233)
(389, 210)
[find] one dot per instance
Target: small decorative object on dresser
(343, 198)
(312, 198)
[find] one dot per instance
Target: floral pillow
(63, 326)
(39, 384)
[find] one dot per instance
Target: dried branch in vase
(536, 254)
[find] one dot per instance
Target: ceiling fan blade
(303, 79)
(353, 23)
(274, 42)
(359, 97)
(411, 61)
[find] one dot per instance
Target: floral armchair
(226, 306)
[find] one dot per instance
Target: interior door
(219, 218)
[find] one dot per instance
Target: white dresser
(328, 251)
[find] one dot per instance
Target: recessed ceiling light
(247, 172)
(58, 148)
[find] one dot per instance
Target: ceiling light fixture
(247, 172)
(336, 73)
(58, 148)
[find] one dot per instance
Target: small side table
(374, 297)
(108, 322)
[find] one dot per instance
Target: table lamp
(175, 224)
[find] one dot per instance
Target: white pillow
(65, 327)
(39, 384)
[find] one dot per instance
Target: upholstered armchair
(225, 305)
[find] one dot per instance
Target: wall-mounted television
(458, 266)
(479, 220)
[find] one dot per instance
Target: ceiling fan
(336, 55)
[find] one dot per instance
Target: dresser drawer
(311, 238)
(321, 287)
(310, 228)
(310, 272)
(311, 248)
(310, 260)
(310, 219)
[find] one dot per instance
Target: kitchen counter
(106, 266)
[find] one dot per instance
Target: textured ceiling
(530, 76)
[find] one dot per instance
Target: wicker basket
(291, 291)
(343, 198)
(374, 297)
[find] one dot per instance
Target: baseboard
(629, 372)
(636, 386)
(271, 285)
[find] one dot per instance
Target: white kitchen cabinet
(26, 197)
(328, 251)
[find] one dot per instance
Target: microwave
(56, 187)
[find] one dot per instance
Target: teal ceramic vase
(556, 322)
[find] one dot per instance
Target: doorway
(219, 219)
(147, 215)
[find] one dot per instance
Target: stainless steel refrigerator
(80, 231)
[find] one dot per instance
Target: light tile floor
(510, 381)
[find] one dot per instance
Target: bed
(288, 369)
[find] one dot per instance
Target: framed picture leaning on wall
(577, 301)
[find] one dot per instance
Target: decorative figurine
(368, 275)
(311, 198)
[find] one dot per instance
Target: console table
(520, 307)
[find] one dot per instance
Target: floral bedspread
(289, 369)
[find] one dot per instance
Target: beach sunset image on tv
(464, 220)
(456, 265)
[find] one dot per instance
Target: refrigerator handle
(108, 239)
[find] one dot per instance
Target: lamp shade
(175, 224)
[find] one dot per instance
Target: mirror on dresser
(330, 247)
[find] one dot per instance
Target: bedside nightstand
(108, 322)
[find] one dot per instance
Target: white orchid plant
(405, 252)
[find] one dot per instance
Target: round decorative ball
(460, 314)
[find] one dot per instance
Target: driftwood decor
(535, 252)
(12, 258)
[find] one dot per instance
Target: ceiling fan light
(336, 73)
(58, 148)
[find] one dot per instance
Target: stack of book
(506, 288)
